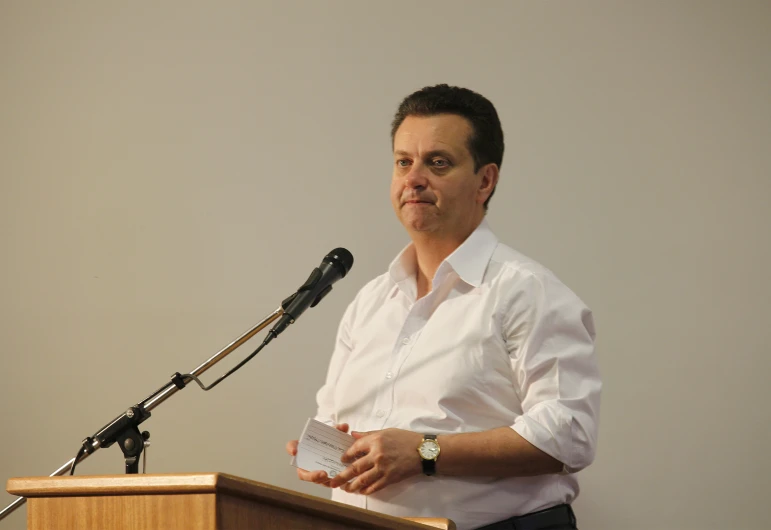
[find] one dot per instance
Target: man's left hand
(377, 459)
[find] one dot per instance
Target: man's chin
(419, 225)
(417, 219)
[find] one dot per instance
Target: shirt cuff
(549, 431)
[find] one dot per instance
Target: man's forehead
(441, 131)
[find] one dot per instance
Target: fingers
(377, 486)
(358, 449)
(317, 477)
(351, 472)
(363, 481)
(355, 452)
(360, 476)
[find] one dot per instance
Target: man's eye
(402, 163)
(439, 162)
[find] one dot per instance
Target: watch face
(429, 449)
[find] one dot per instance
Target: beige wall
(169, 171)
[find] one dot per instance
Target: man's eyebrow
(436, 152)
(439, 152)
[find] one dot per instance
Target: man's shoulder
(373, 291)
(379, 284)
(367, 300)
(520, 272)
(511, 262)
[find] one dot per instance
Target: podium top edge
(200, 483)
(113, 484)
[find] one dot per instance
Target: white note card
(321, 447)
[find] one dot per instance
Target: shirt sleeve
(550, 336)
(325, 399)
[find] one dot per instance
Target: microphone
(334, 266)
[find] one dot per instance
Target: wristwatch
(429, 452)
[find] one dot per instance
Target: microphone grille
(343, 257)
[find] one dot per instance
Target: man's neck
(430, 251)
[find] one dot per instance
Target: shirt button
(389, 375)
(406, 340)
(380, 413)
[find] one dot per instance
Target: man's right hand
(317, 477)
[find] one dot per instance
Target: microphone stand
(124, 429)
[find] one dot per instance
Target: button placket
(403, 345)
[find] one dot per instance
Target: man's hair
(485, 143)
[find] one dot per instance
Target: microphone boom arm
(116, 430)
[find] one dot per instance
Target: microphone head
(341, 259)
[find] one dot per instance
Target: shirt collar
(403, 270)
(469, 260)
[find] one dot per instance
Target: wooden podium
(193, 501)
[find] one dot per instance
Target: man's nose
(416, 178)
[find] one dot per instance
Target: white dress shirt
(499, 341)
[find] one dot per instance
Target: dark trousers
(559, 517)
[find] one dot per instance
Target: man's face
(434, 187)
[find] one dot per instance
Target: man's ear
(489, 180)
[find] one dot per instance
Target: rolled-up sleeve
(550, 338)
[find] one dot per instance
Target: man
(465, 348)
